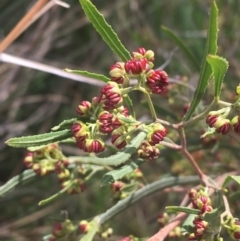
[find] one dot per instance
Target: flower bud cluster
(43, 160)
(107, 115)
(219, 122)
(201, 201)
(61, 229)
(141, 63)
(234, 229)
(156, 134)
(76, 186)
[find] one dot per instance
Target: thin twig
(20, 27)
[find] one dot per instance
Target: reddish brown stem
(19, 28)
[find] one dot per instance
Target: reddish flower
(105, 120)
(95, 146)
(117, 72)
(235, 122)
(157, 81)
(111, 97)
(116, 186)
(143, 53)
(147, 151)
(157, 135)
(58, 230)
(136, 66)
(79, 131)
(221, 124)
(118, 141)
(83, 108)
(28, 160)
(84, 226)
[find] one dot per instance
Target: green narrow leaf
(231, 178)
(182, 46)
(17, 180)
(182, 209)
(38, 140)
(206, 71)
(117, 159)
(94, 224)
(89, 74)
(188, 226)
(112, 176)
(66, 124)
(214, 220)
(219, 68)
(105, 30)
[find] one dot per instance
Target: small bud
(118, 141)
(84, 108)
(58, 230)
(147, 151)
(192, 237)
(157, 135)
(157, 81)
(136, 66)
(116, 186)
(235, 122)
(84, 226)
(28, 160)
(63, 174)
(111, 96)
(79, 130)
(117, 72)
(237, 90)
(221, 124)
(163, 218)
(105, 121)
(95, 146)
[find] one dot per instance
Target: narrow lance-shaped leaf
(114, 160)
(66, 124)
(206, 71)
(112, 176)
(38, 140)
(17, 180)
(105, 30)
(89, 74)
(182, 46)
(219, 68)
(231, 178)
(182, 209)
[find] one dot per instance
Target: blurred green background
(33, 101)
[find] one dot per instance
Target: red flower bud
(136, 66)
(79, 131)
(83, 108)
(84, 226)
(235, 122)
(28, 160)
(221, 124)
(95, 146)
(147, 151)
(158, 134)
(58, 230)
(116, 186)
(111, 97)
(117, 72)
(118, 141)
(157, 81)
(105, 120)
